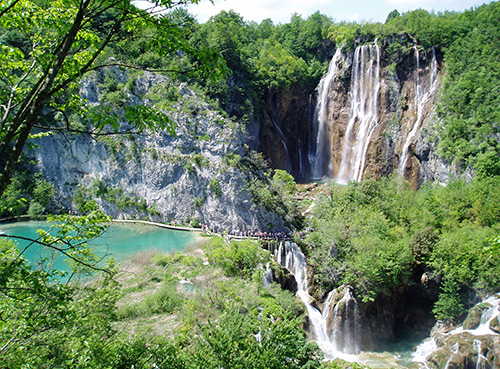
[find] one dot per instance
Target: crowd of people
(250, 234)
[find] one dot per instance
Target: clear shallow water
(120, 241)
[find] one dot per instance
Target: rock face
(284, 132)
(193, 176)
(379, 118)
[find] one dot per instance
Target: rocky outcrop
(284, 127)
(193, 176)
(474, 344)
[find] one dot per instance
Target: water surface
(120, 241)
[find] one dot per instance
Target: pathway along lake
(120, 241)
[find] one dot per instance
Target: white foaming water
(365, 88)
(482, 361)
(291, 257)
(422, 352)
(428, 346)
(421, 100)
(320, 158)
(454, 350)
(346, 330)
(486, 317)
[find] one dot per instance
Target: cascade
(345, 335)
(429, 345)
(453, 351)
(421, 100)
(320, 154)
(268, 275)
(346, 324)
(365, 88)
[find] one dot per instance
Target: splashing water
(343, 340)
(320, 155)
(421, 100)
(365, 88)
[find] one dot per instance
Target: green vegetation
(28, 193)
(373, 234)
(47, 47)
(226, 317)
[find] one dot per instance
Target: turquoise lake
(120, 241)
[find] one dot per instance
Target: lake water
(120, 241)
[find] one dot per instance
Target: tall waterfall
(320, 152)
(336, 332)
(365, 88)
(421, 98)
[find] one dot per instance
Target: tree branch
(8, 8)
(51, 246)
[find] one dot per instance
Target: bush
(236, 258)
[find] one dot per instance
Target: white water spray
(365, 89)
(482, 361)
(320, 158)
(429, 345)
(346, 327)
(421, 100)
(344, 338)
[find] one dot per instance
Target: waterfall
(429, 345)
(344, 338)
(346, 324)
(453, 351)
(482, 361)
(421, 100)
(320, 154)
(365, 88)
(268, 275)
(288, 164)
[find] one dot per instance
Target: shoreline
(161, 225)
(198, 231)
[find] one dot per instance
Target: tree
(47, 47)
(392, 15)
(37, 302)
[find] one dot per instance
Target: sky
(280, 11)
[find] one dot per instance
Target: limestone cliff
(194, 176)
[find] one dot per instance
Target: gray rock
(183, 177)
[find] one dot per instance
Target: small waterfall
(454, 350)
(345, 335)
(301, 170)
(288, 164)
(346, 324)
(429, 345)
(365, 89)
(421, 100)
(482, 361)
(424, 350)
(268, 275)
(320, 154)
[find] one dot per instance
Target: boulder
(474, 316)
(464, 350)
(495, 325)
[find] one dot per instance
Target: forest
(377, 235)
